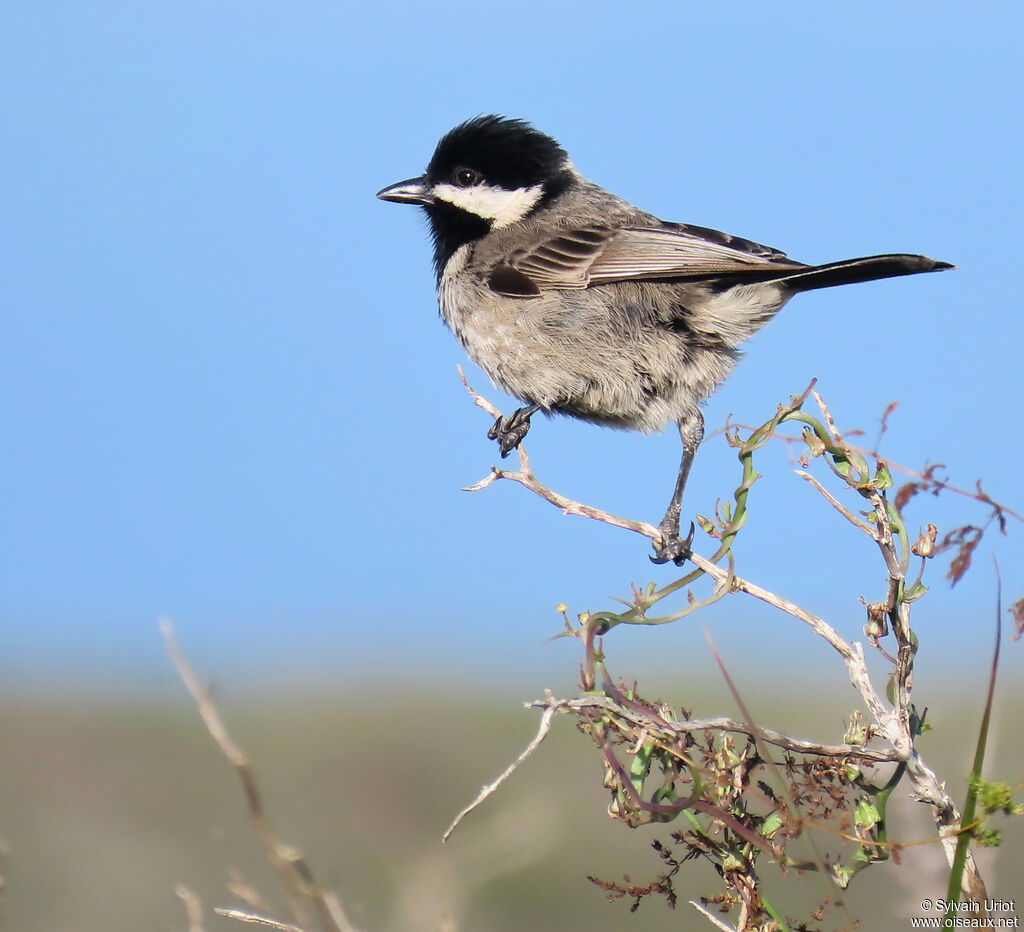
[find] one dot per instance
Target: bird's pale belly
(546, 353)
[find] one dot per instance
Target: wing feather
(594, 254)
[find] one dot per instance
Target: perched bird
(579, 303)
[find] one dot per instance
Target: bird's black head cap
(508, 153)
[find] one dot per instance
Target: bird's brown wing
(594, 254)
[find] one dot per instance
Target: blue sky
(228, 398)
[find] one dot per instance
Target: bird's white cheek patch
(499, 206)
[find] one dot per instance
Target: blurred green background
(108, 804)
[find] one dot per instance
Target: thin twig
(712, 918)
(668, 730)
(257, 920)
(479, 400)
(856, 521)
(245, 891)
(289, 864)
(193, 907)
(524, 475)
(489, 788)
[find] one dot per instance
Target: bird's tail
(851, 271)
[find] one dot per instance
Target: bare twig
(667, 730)
(855, 520)
(245, 891)
(479, 400)
(489, 788)
(257, 920)
(712, 918)
(289, 864)
(193, 907)
(524, 475)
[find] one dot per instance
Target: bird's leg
(671, 546)
(510, 431)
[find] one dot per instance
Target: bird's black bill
(413, 191)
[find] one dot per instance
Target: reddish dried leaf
(997, 509)
(961, 563)
(884, 423)
(906, 492)
(965, 539)
(1017, 610)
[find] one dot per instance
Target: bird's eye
(466, 177)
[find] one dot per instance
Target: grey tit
(576, 302)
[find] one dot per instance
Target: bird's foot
(510, 431)
(672, 547)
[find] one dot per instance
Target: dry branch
(193, 907)
(670, 731)
(257, 920)
(289, 864)
(893, 722)
(489, 788)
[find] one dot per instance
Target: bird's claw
(672, 547)
(510, 431)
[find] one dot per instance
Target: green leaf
(996, 796)
(866, 814)
(915, 591)
(772, 824)
(640, 766)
